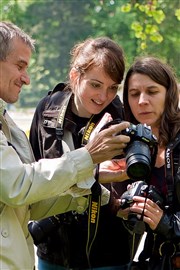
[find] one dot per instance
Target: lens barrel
(138, 160)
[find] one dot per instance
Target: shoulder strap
(64, 100)
(61, 116)
(52, 94)
(60, 122)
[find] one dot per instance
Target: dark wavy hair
(164, 75)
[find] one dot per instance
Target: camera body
(140, 188)
(40, 229)
(140, 153)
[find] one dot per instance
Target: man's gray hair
(9, 31)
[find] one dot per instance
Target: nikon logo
(88, 131)
(94, 209)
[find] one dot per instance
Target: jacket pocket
(51, 146)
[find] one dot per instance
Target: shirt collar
(2, 106)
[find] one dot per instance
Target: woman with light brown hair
(96, 71)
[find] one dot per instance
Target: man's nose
(25, 79)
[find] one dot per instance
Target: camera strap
(95, 196)
(170, 159)
(169, 168)
(93, 214)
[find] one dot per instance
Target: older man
(29, 189)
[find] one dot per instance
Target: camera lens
(39, 230)
(138, 160)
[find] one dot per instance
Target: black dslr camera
(140, 153)
(140, 188)
(40, 229)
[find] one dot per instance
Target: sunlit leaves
(158, 16)
(147, 27)
(177, 14)
(126, 8)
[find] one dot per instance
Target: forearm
(27, 183)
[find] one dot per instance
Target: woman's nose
(103, 95)
(143, 99)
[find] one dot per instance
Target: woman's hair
(100, 52)
(162, 74)
(8, 32)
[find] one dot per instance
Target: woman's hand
(113, 171)
(152, 212)
(123, 213)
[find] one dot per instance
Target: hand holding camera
(140, 188)
(147, 211)
(144, 202)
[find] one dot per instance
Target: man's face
(13, 71)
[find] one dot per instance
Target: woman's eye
(135, 94)
(114, 88)
(153, 92)
(95, 85)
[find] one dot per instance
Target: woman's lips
(144, 113)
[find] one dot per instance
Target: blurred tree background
(144, 27)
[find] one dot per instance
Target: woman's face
(93, 91)
(146, 99)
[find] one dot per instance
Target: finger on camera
(140, 199)
(116, 129)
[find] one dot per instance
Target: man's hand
(107, 144)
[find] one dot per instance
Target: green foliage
(177, 14)
(143, 27)
(140, 27)
(150, 15)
